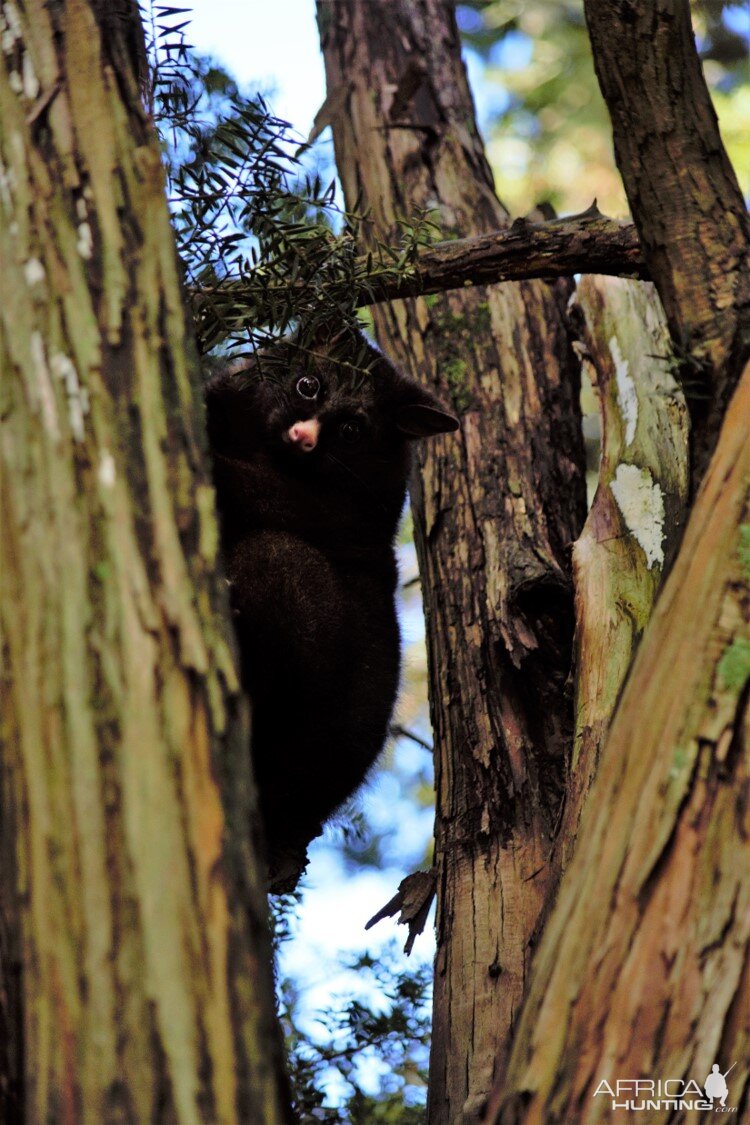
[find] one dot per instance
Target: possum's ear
(425, 421)
(421, 415)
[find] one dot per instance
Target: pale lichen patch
(6, 185)
(30, 80)
(41, 385)
(641, 502)
(626, 391)
(78, 396)
(106, 469)
(34, 271)
(85, 242)
(10, 27)
(23, 81)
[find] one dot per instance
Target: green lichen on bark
(734, 666)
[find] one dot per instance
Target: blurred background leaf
(548, 135)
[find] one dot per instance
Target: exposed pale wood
(643, 472)
(137, 918)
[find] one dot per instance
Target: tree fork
(644, 965)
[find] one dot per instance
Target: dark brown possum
(311, 457)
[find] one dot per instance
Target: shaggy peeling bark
(684, 196)
(496, 510)
(636, 519)
(135, 963)
(644, 968)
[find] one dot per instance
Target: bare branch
(587, 243)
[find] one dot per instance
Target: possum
(311, 454)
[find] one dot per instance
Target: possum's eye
(350, 431)
(308, 386)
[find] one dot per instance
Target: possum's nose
(304, 434)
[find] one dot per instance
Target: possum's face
(339, 412)
(331, 417)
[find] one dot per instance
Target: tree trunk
(644, 968)
(133, 939)
(683, 194)
(496, 511)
